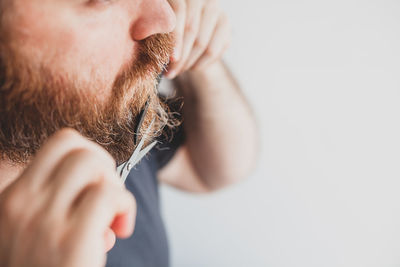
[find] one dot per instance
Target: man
(75, 79)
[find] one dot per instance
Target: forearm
(220, 128)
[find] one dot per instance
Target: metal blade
(144, 152)
(126, 167)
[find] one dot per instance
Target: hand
(66, 207)
(202, 35)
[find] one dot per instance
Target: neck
(8, 173)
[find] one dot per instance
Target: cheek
(96, 53)
(91, 50)
(99, 54)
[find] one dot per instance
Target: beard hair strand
(34, 104)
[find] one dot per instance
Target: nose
(155, 16)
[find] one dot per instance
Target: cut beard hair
(35, 103)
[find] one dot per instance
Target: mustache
(34, 104)
(152, 58)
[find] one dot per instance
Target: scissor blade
(125, 168)
(144, 152)
(133, 160)
(120, 167)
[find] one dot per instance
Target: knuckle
(196, 67)
(99, 191)
(88, 147)
(82, 154)
(67, 133)
(190, 28)
(90, 158)
(100, 157)
(200, 44)
(211, 52)
(103, 187)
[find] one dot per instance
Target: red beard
(34, 103)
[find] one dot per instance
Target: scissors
(124, 169)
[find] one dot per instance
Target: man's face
(86, 64)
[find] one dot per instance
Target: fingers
(78, 169)
(191, 26)
(89, 233)
(37, 177)
(179, 7)
(79, 204)
(219, 43)
(208, 24)
(100, 206)
(60, 144)
(69, 167)
(124, 224)
(202, 35)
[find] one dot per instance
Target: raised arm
(221, 133)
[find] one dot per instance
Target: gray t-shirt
(148, 246)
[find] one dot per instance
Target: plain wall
(324, 80)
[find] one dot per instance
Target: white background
(324, 80)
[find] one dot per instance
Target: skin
(219, 125)
(79, 38)
(74, 206)
(90, 208)
(202, 32)
(221, 134)
(73, 181)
